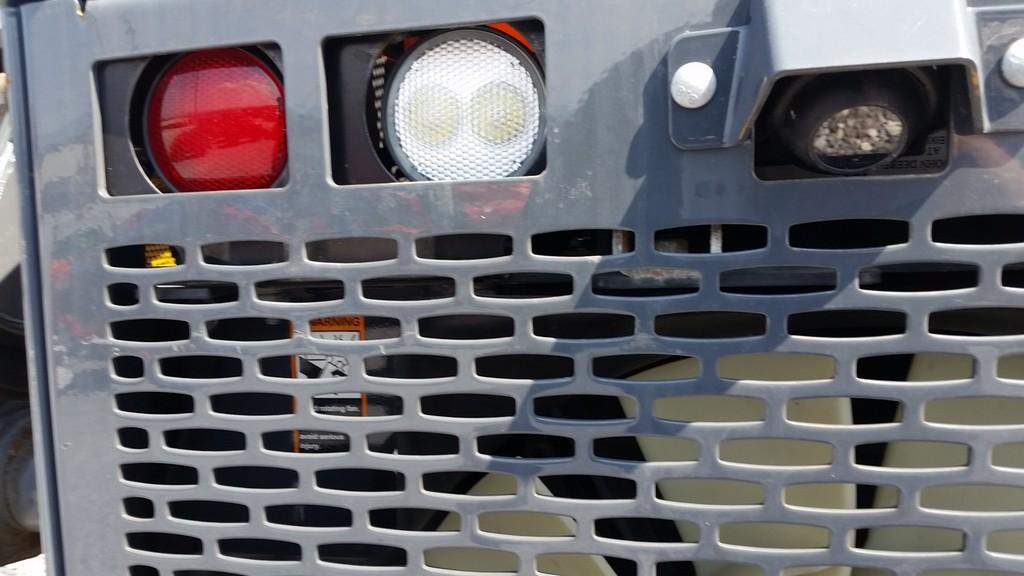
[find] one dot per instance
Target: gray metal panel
(610, 165)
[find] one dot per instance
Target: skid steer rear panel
(659, 355)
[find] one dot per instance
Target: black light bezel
(503, 42)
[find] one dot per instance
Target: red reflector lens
(216, 122)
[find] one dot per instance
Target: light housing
(215, 120)
(464, 105)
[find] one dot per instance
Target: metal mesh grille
(642, 361)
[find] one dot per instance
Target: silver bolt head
(1013, 64)
(693, 85)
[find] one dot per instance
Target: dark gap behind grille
(579, 243)
(525, 367)
(978, 322)
(847, 323)
(160, 474)
(245, 253)
(360, 480)
(988, 229)
(523, 285)
(252, 404)
(468, 406)
(141, 508)
(584, 326)
(123, 294)
(196, 292)
(581, 407)
(408, 288)
(205, 440)
(698, 239)
(164, 543)
(464, 247)
(778, 280)
(626, 366)
(133, 438)
(150, 330)
(531, 446)
(352, 250)
(711, 325)
(134, 256)
(300, 290)
(201, 367)
(156, 403)
(259, 549)
(411, 366)
(646, 282)
(849, 234)
(467, 327)
(128, 367)
(919, 277)
(209, 511)
(249, 329)
(362, 555)
(1013, 275)
(257, 477)
(413, 443)
(309, 516)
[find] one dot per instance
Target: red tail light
(215, 121)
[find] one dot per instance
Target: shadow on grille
(526, 446)
(249, 329)
(201, 367)
(260, 549)
(415, 520)
(411, 366)
(252, 404)
(300, 290)
(155, 403)
(141, 256)
(977, 322)
(160, 474)
(778, 280)
(467, 327)
(847, 323)
(987, 229)
(919, 277)
(245, 253)
(580, 243)
(196, 292)
(646, 282)
(468, 406)
(464, 247)
(150, 330)
(309, 516)
(352, 250)
(205, 440)
(711, 325)
(209, 511)
(362, 554)
(525, 367)
(141, 508)
(584, 326)
(408, 288)
(164, 543)
(123, 294)
(711, 238)
(133, 438)
(360, 480)
(256, 477)
(849, 234)
(523, 285)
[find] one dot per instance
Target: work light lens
(466, 105)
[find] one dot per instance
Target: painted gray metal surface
(611, 164)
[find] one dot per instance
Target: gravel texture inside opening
(858, 131)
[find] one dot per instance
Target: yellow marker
(160, 256)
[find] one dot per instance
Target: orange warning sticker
(339, 328)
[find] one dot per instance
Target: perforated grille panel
(642, 361)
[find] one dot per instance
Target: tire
(16, 542)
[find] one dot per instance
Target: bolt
(1013, 64)
(694, 84)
